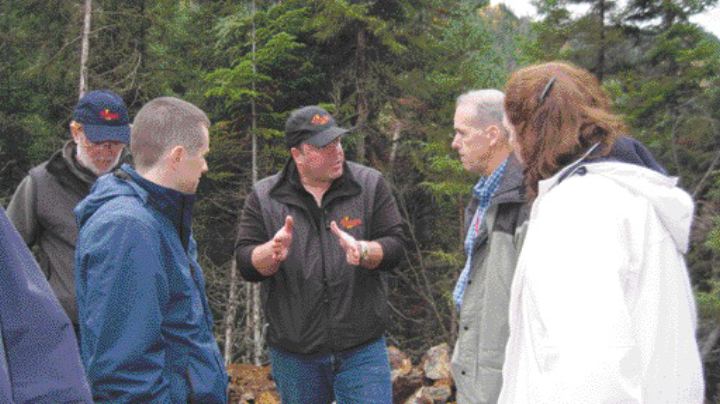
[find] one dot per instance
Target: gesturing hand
(282, 240)
(348, 244)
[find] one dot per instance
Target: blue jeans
(359, 375)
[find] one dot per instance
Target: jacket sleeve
(574, 298)
(39, 359)
(251, 233)
(387, 228)
(122, 288)
(22, 210)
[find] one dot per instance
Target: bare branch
(710, 342)
(707, 174)
(85, 49)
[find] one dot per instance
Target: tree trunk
(249, 325)
(454, 317)
(85, 48)
(707, 346)
(601, 50)
(397, 130)
(258, 340)
(461, 224)
(362, 107)
(141, 46)
(253, 324)
(252, 99)
(230, 313)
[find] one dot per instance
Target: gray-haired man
(493, 217)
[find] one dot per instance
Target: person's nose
(455, 142)
(337, 149)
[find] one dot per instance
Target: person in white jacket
(601, 307)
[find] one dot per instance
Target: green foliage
(713, 240)
(709, 302)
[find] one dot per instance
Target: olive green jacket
(483, 327)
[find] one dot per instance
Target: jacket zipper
(326, 287)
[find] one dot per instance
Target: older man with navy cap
(321, 236)
(42, 206)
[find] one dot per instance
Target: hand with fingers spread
(282, 240)
(348, 243)
(266, 258)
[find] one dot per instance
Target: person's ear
(494, 134)
(295, 153)
(76, 131)
(176, 155)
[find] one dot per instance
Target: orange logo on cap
(319, 119)
(348, 223)
(109, 116)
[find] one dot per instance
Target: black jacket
(316, 302)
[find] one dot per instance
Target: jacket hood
(628, 150)
(511, 188)
(673, 206)
(175, 205)
(106, 188)
(69, 155)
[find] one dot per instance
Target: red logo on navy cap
(109, 116)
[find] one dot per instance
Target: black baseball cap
(312, 125)
(104, 117)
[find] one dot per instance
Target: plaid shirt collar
(485, 188)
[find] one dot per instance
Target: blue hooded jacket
(145, 322)
(39, 360)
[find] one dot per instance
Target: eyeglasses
(110, 145)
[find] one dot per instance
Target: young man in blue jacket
(39, 361)
(145, 322)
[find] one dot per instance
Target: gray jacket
(480, 348)
(42, 211)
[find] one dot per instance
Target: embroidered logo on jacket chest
(349, 223)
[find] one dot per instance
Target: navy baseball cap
(104, 117)
(312, 125)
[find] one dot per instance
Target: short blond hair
(162, 124)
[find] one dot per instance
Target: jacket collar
(567, 171)
(65, 161)
(290, 190)
(65, 168)
(176, 206)
(69, 154)
(511, 188)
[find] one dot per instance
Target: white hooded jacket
(601, 307)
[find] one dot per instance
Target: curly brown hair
(558, 110)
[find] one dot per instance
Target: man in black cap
(321, 236)
(42, 207)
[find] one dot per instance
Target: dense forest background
(391, 69)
